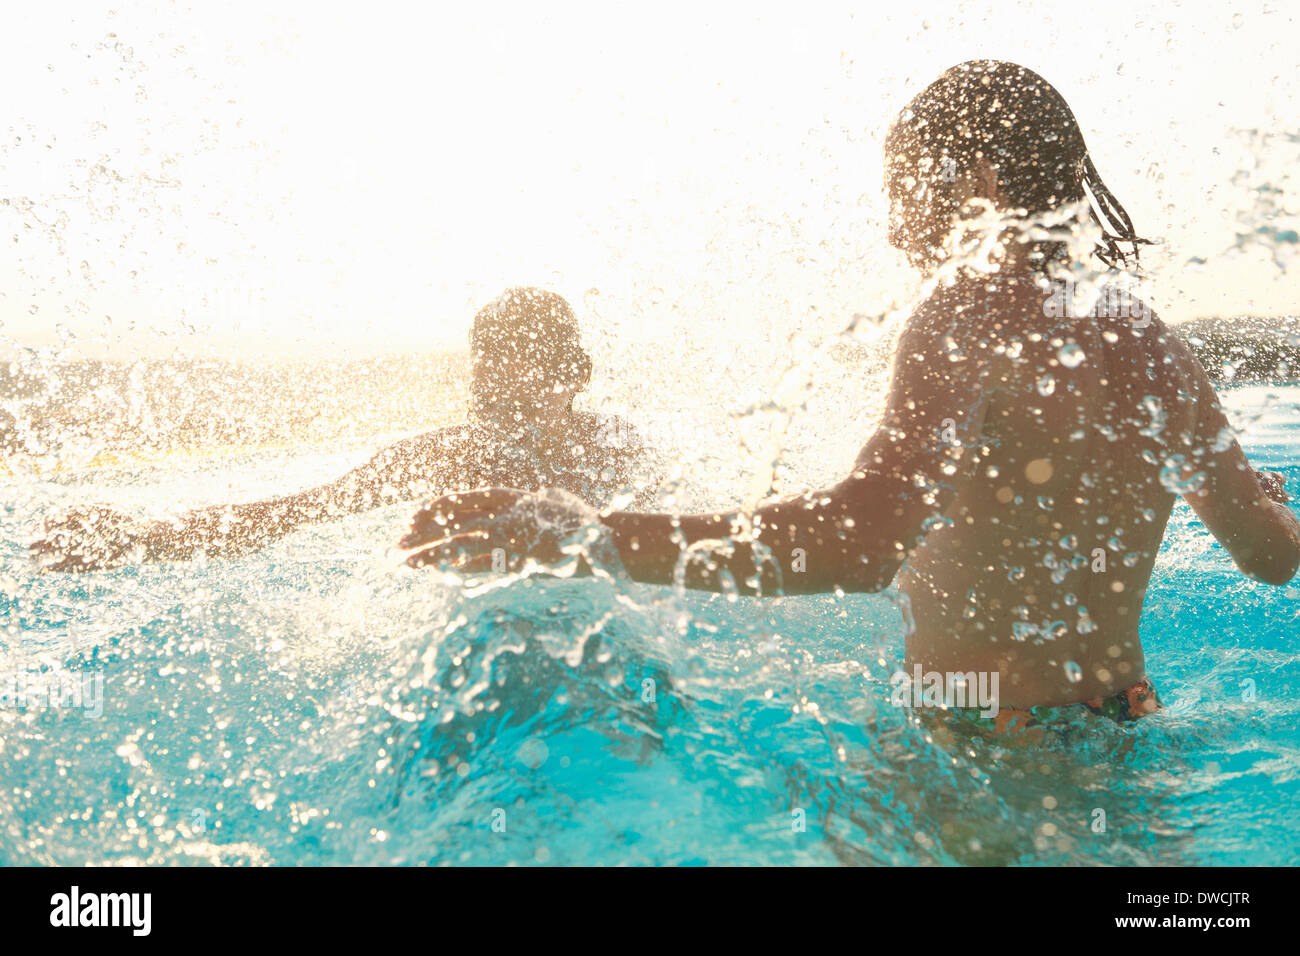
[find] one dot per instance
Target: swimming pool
(317, 703)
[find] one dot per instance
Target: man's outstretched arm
(99, 537)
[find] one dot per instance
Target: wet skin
(591, 456)
(1040, 564)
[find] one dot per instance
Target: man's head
(996, 131)
(528, 362)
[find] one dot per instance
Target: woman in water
(1019, 484)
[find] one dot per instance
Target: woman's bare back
(1040, 568)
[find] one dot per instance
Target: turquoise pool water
(318, 703)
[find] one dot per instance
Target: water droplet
(532, 753)
(1020, 631)
(1071, 356)
(1179, 478)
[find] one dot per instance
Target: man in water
(528, 365)
(1027, 463)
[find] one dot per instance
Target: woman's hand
(87, 539)
(501, 529)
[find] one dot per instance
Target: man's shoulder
(607, 430)
(433, 443)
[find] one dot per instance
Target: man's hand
(499, 529)
(87, 539)
(1274, 485)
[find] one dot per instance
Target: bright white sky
(271, 177)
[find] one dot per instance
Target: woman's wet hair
(525, 343)
(1015, 120)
